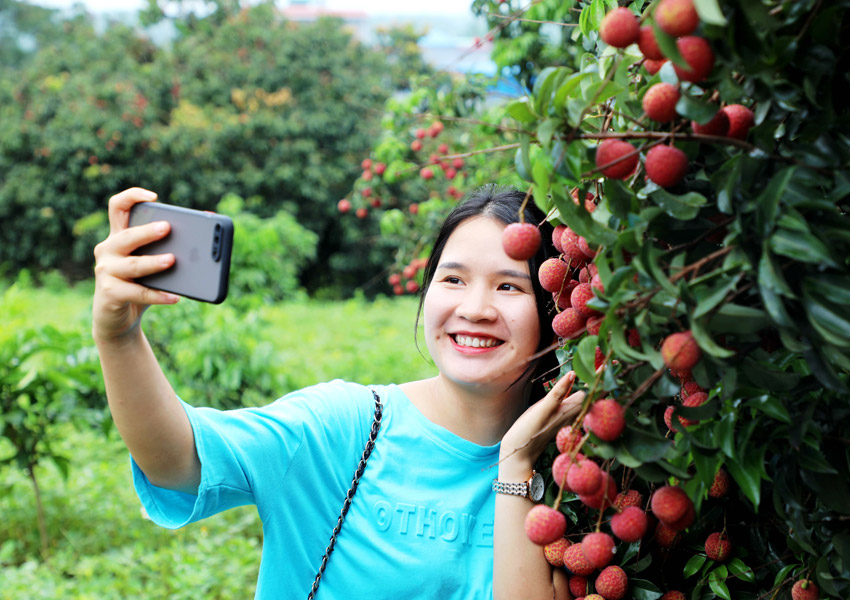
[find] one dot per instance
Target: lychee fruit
(554, 551)
(594, 323)
(668, 418)
(606, 419)
(669, 503)
(740, 118)
(685, 521)
(568, 323)
(562, 299)
(362, 212)
(719, 125)
(579, 297)
(805, 589)
(598, 549)
(629, 525)
(653, 66)
(544, 525)
(603, 497)
(680, 351)
(720, 486)
(343, 205)
(576, 562)
(578, 586)
(560, 467)
(718, 547)
(619, 28)
(585, 247)
(699, 57)
(552, 274)
(571, 249)
(628, 498)
(673, 595)
(556, 237)
(648, 45)
(666, 165)
(611, 150)
(634, 338)
(677, 17)
(521, 240)
(612, 583)
(691, 401)
(665, 536)
(584, 477)
(689, 388)
(592, 597)
(659, 102)
(567, 438)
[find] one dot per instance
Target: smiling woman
(425, 515)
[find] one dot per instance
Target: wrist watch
(531, 489)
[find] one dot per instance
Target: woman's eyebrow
(504, 272)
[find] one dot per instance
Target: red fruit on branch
(805, 589)
(361, 212)
(680, 351)
(567, 438)
(416, 145)
(686, 521)
(576, 562)
(584, 477)
(692, 401)
(598, 548)
(411, 287)
(720, 486)
(718, 547)
(394, 279)
(659, 102)
(560, 467)
(629, 525)
(648, 45)
(366, 164)
(603, 497)
(666, 165)
(619, 28)
(380, 168)
(669, 504)
(611, 150)
(420, 133)
(673, 595)
(741, 119)
(568, 323)
(552, 274)
(652, 66)
(628, 498)
(578, 586)
(593, 324)
(571, 250)
(665, 536)
(719, 125)
(521, 240)
(606, 419)
(426, 173)
(579, 297)
(677, 17)
(556, 237)
(544, 525)
(689, 388)
(612, 583)
(554, 552)
(699, 57)
(343, 205)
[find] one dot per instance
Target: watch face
(535, 487)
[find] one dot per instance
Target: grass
(101, 547)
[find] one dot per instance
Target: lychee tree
(695, 158)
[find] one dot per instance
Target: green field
(101, 547)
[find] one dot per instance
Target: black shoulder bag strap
(370, 445)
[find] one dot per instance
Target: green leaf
(644, 446)
(522, 159)
(812, 459)
(569, 86)
(783, 573)
(801, 246)
(641, 589)
(830, 320)
(707, 299)
(696, 109)
(718, 585)
(724, 434)
(667, 44)
(709, 12)
(547, 129)
(703, 339)
(771, 406)
(740, 570)
(584, 359)
(684, 207)
(771, 277)
(521, 111)
(694, 564)
(739, 319)
(768, 200)
(746, 470)
(834, 288)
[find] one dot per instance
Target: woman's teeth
(474, 342)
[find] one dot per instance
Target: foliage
(749, 253)
(400, 44)
(241, 102)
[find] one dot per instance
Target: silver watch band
(514, 489)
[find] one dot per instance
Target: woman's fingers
(121, 203)
(120, 293)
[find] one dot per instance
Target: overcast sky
(388, 7)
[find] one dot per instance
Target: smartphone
(201, 242)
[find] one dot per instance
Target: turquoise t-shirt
(420, 524)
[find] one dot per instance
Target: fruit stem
(524, 204)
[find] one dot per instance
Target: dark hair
(503, 204)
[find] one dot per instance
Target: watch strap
(513, 489)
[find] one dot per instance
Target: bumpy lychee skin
(521, 240)
(607, 419)
(720, 486)
(692, 401)
(554, 552)
(579, 297)
(598, 549)
(560, 467)
(698, 55)
(629, 525)
(686, 520)
(603, 497)
(592, 597)
(668, 419)
(719, 125)
(594, 323)
(665, 536)
(666, 165)
(805, 589)
(680, 351)
(556, 237)
(659, 102)
(741, 119)
(568, 323)
(578, 586)
(584, 477)
(718, 547)
(576, 562)
(619, 28)
(544, 525)
(571, 249)
(677, 17)
(673, 595)
(567, 438)
(552, 274)
(609, 151)
(669, 503)
(648, 45)
(652, 66)
(612, 583)
(628, 498)
(690, 388)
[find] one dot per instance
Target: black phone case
(201, 243)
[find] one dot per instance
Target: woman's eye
(509, 287)
(451, 279)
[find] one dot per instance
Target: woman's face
(480, 315)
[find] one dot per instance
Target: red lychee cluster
(673, 508)
(408, 273)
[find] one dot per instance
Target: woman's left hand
(537, 426)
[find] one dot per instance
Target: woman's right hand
(119, 302)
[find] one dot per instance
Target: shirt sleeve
(237, 448)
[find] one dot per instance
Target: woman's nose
(477, 305)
